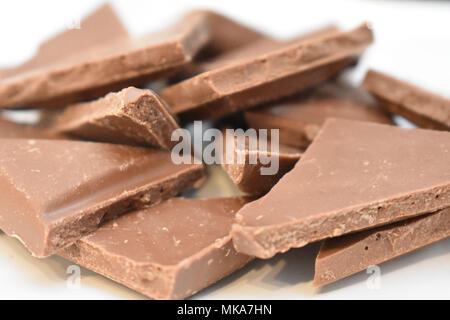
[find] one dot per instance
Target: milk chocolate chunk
(131, 116)
(341, 257)
(300, 118)
(93, 72)
(169, 251)
(426, 109)
(354, 176)
(268, 75)
(247, 158)
(54, 191)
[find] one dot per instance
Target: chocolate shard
(106, 67)
(426, 109)
(10, 129)
(243, 162)
(354, 176)
(274, 73)
(300, 118)
(131, 116)
(169, 251)
(341, 257)
(55, 191)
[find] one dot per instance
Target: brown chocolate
(354, 176)
(268, 75)
(341, 257)
(300, 118)
(97, 70)
(54, 191)
(426, 109)
(247, 174)
(169, 251)
(131, 116)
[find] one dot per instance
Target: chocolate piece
(54, 191)
(300, 118)
(272, 74)
(247, 174)
(131, 116)
(169, 251)
(9, 129)
(424, 108)
(341, 257)
(106, 67)
(354, 176)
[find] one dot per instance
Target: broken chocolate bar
(425, 109)
(244, 164)
(300, 118)
(354, 176)
(341, 257)
(256, 78)
(55, 191)
(131, 116)
(169, 251)
(97, 70)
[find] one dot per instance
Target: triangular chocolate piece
(55, 191)
(341, 257)
(354, 176)
(132, 116)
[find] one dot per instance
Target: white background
(412, 42)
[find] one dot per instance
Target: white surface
(412, 42)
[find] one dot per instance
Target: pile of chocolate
(94, 180)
